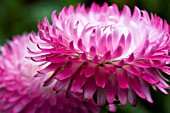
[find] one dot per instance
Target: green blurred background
(18, 16)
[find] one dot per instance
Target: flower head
(21, 93)
(106, 54)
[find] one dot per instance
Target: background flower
(107, 54)
(18, 16)
(21, 93)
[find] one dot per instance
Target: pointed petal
(122, 95)
(107, 56)
(145, 89)
(132, 97)
(150, 78)
(92, 51)
(122, 78)
(101, 97)
(69, 70)
(78, 83)
(133, 70)
(134, 82)
(89, 69)
(89, 88)
(111, 91)
(50, 67)
(118, 52)
(101, 77)
(80, 45)
(60, 84)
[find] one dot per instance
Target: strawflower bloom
(21, 93)
(106, 54)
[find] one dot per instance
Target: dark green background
(18, 16)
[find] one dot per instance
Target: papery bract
(104, 53)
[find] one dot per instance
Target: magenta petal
(136, 86)
(80, 45)
(49, 68)
(89, 88)
(57, 59)
(78, 83)
(150, 78)
(101, 97)
(122, 95)
(118, 52)
(107, 56)
(160, 57)
(145, 89)
(122, 42)
(89, 69)
(95, 60)
(84, 56)
(68, 71)
(101, 77)
(109, 68)
(50, 79)
(132, 97)
(130, 59)
(111, 90)
(92, 51)
(133, 70)
(60, 84)
(142, 64)
(72, 46)
(122, 78)
(119, 63)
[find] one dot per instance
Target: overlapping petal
(20, 92)
(113, 54)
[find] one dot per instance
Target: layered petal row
(106, 54)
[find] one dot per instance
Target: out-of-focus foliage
(18, 16)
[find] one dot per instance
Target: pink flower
(104, 53)
(20, 93)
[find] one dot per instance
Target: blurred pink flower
(104, 53)
(21, 93)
